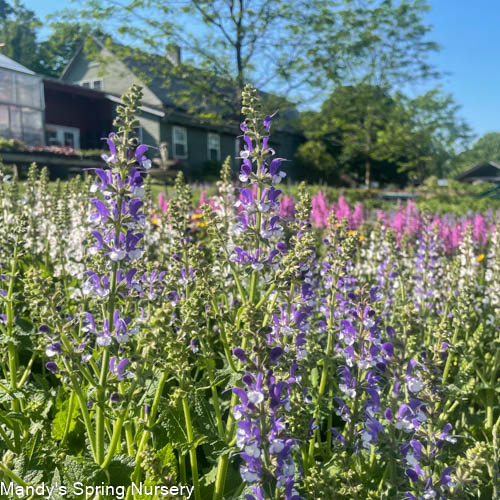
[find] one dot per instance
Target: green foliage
(486, 148)
(57, 50)
(11, 144)
(364, 131)
(18, 32)
(315, 162)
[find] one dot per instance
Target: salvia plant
(252, 346)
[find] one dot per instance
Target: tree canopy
(300, 50)
(375, 135)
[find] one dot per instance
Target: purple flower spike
(53, 350)
(446, 478)
(120, 369)
(241, 394)
(268, 120)
(52, 367)
(412, 475)
(388, 350)
(112, 149)
(246, 170)
(44, 329)
(240, 354)
(375, 294)
(139, 152)
(276, 352)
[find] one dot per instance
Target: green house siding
(150, 125)
(157, 119)
(197, 144)
(116, 77)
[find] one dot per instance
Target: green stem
(84, 411)
(69, 417)
(99, 434)
(101, 390)
(192, 450)
(13, 476)
(221, 476)
(7, 441)
(27, 371)
(265, 296)
(11, 347)
(152, 417)
(321, 390)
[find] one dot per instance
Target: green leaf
(81, 469)
(120, 470)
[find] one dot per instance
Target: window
(213, 146)
(179, 141)
(57, 135)
(91, 84)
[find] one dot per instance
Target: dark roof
(166, 87)
(481, 170)
(59, 85)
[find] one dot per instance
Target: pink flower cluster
(406, 220)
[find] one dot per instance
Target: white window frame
(60, 130)
(183, 130)
(213, 135)
(92, 83)
(98, 80)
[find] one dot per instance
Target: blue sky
(467, 31)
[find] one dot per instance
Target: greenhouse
(21, 103)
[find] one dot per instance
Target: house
(193, 143)
(22, 103)
(488, 171)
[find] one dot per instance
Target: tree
(350, 122)
(486, 148)
(298, 49)
(384, 42)
(368, 131)
(18, 33)
(56, 51)
(423, 134)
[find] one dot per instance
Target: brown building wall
(88, 111)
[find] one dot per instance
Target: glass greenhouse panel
(6, 86)
(32, 126)
(28, 91)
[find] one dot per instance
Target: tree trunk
(368, 168)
